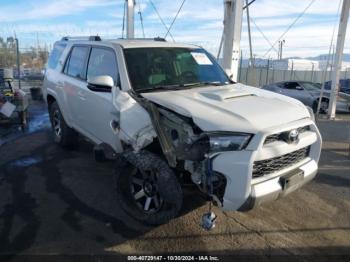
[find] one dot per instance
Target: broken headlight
(228, 142)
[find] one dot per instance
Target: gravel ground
(56, 201)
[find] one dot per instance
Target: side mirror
(103, 83)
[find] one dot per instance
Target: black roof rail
(86, 38)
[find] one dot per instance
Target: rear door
(74, 79)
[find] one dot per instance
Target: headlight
(228, 142)
(311, 112)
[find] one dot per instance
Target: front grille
(279, 136)
(268, 166)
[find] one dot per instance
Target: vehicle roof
(127, 43)
(133, 43)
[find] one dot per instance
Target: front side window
(102, 62)
(154, 68)
(311, 86)
(76, 62)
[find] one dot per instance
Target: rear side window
(76, 62)
(102, 62)
(55, 55)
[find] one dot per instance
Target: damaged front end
(184, 145)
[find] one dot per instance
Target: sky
(199, 22)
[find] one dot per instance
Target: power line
(244, 7)
(141, 20)
(178, 11)
(262, 33)
(160, 18)
(290, 26)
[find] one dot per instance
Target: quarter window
(102, 62)
(55, 55)
(76, 62)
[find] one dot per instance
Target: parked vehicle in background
(170, 115)
(308, 93)
(33, 76)
(344, 85)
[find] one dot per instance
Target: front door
(99, 111)
(295, 90)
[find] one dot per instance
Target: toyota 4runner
(168, 114)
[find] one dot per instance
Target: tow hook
(208, 219)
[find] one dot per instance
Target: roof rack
(160, 39)
(86, 38)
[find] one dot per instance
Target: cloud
(272, 8)
(42, 10)
(199, 22)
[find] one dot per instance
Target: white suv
(169, 114)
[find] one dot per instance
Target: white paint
(135, 126)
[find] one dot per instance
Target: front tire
(63, 134)
(323, 107)
(147, 188)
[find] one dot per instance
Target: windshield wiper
(160, 87)
(204, 83)
(180, 86)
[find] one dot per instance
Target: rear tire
(63, 134)
(147, 188)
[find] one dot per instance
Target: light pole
(232, 36)
(18, 63)
(249, 36)
(344, 17)
(130, 19)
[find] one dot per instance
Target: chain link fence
(259, 76)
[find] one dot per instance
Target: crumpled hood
(233, 107)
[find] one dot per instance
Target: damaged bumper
(246, 189)
(273, 189)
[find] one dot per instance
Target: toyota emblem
(293, 136)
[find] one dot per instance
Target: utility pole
(130, 19)
(249, 35)
(233, 10)
(344, 17)
(18, 62)
(280, 49)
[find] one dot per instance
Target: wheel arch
(50, 100)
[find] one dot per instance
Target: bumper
(272, 189)
(243, 192)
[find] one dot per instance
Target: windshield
(172, 68)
